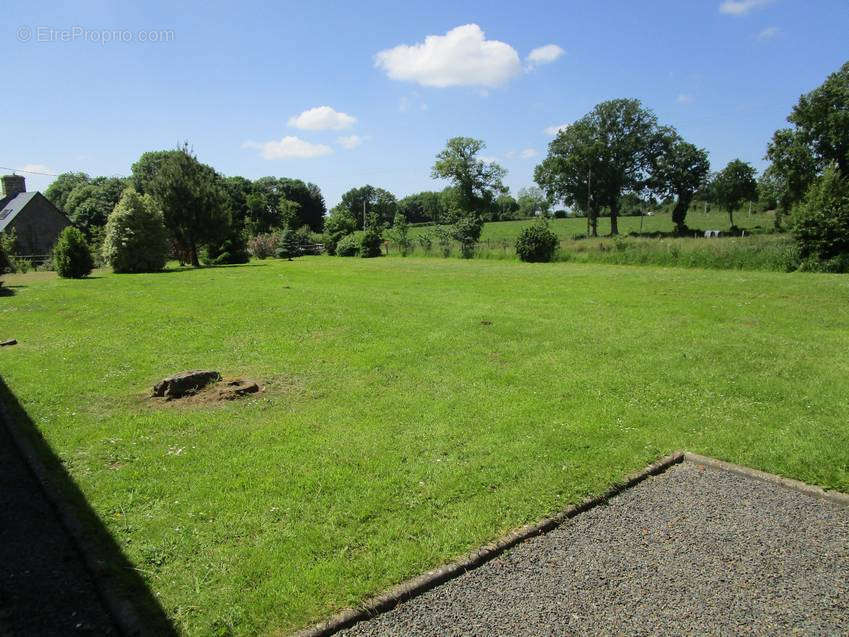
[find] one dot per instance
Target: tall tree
(532, 202)
(477, 182)
(61, 187)
(421, 206)
(192, 200)
(734, 185)
(88, 205)
(281, 192)
(606, 153)
(680, 170)
(362, 203)
(566, 174)
(822, 120)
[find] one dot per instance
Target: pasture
(413, 408)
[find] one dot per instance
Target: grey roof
(12, 207)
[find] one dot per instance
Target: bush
(821, 222)
(370, 242)
(233, 249)
(536, 243)
(425, 240)
(136, 239)
(71, 255)
(262, 246)
(444, 238)
(559, 214)
(7, 248)
(349, 246)
(467, 232)
(289, 245)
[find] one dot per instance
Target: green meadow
(413, 408)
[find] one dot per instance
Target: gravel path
(694, 550)
(44, 587)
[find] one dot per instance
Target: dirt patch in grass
(225, 390)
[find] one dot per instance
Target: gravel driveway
(693, 550)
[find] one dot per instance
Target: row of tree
(204, 212)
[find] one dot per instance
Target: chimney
(13, 185)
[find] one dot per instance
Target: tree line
(207, 215)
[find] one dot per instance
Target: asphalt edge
(771, 478)
(120, 609)
(410, 588)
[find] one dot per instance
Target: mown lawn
(398, 430)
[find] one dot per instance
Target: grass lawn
(397, 430)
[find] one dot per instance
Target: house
(35, 220)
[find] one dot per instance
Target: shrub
(7, 248)
(349, 245)
(136, 239)
(821, 222)
(400, 234)
(262, 246)
(559, 214)
(467, 232)
(71, 255)
(370, 242)
(289, 245)
(444, 238)
(425, 240)
(233, 249)
(536, 243)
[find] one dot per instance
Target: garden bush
(370, 242)
(467, 232)
(136, 239)
(263, 245)
(821, 223)
(349, 245)
(71, 255)
(536, 243)
(289, 245)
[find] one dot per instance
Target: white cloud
(322, 118)
(544, 55)
(685, 98)
(527, 153)
(461, 57)
(769, 33)
(488, 158)
(289, 147)
(741, 7)
(553, 130)
(350, 142)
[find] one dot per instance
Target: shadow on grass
(6, 291)
(188, 268)
(45, 585)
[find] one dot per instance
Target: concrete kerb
(787, 483)
(429, 580)
(425, 582)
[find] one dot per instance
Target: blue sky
(239, 80)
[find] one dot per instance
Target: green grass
(398, 431)
(660, 222)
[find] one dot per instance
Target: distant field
(762, 250)
(415, 408)
(661, 222)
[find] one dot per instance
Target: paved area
(44, 587)
(694, 550)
